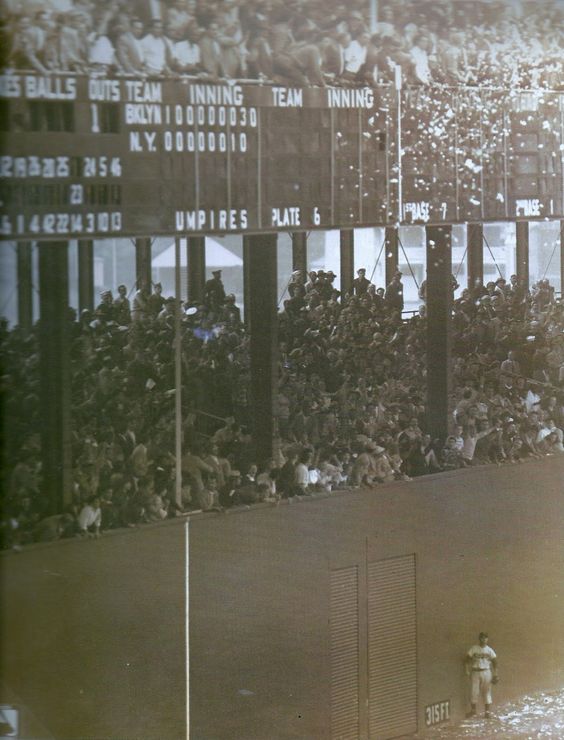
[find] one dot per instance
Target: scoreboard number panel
(86, 157)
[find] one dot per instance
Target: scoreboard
(86, 157)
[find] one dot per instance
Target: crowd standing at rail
(351, 407)
(295, 42)
(350, 411)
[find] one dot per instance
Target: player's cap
(216, 272)
(483, 634)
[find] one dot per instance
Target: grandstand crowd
(350, 411)
(295, 42)
(351, 404)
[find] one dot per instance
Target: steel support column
(260, 259)
(55, 388)
(25, 285)
(562, 258)
(475, 249)
(299, 252)
(391, 247)
(247, 282)
(522, 252)
(347, 261)
(439, 306)
(86, 274)
(196, 268)
(143, 263)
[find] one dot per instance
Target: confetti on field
(534, 716)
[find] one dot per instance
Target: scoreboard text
(84, 157)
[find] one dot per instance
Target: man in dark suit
(361, 283)
(214, 292)
(394, 293)
(333, 51)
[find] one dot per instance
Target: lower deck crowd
(350, 411)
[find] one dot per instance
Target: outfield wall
(93, 632)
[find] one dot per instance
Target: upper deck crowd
(295, 42)
(351, 408)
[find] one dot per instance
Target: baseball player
(481, 665)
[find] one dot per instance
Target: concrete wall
(489, 550)
(93, 632)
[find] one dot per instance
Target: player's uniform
(481, 658)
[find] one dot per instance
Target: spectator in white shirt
(355, 55)
(471, 437)
(549, 429)
(264, 478)
(301, 473)
(156, 49)
(532, 400)
(90, 517)
(420, 59)
(101, 54)
(458, 438)
(185, 52)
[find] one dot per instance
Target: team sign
(86, 157)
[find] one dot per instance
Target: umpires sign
(437, 713)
